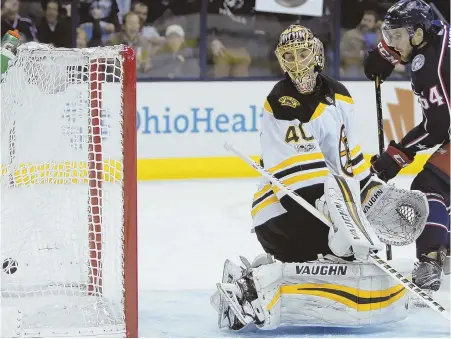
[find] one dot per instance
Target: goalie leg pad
(330, 293)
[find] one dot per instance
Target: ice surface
(186, 231)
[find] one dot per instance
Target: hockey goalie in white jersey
(312, 274)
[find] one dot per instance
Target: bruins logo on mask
(345, 153)
(289, 101)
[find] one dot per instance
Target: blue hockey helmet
(408, 14)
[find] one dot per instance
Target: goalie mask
(301, 55)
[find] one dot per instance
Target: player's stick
(374, 258)
(380, 135)
(438, 13)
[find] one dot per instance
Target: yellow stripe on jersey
(321, 107)
(318, 111)
(359, 300)
(302, 177)
(296, 159)
(272, 199)
(344, 98)
(265, 189)
(361, 168)
(355, 151)
(363, 165)
(267, 106)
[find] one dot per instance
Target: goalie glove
(398, 216)
(387, 165)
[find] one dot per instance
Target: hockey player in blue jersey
(411, 36)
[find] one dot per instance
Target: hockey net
(68, 193)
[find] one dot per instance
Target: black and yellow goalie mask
(301, 55)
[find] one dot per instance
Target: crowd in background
(210, 39)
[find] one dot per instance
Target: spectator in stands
(185, 13)
(175, 60)
(97, 30)
(356, 42)
(94, 40)
(103, 10)
(231, 36)
(351, 10)
(82, 38)
(11, 20)
(130, 36)
(147, 31)
(53, 29)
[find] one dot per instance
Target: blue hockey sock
(436, 231)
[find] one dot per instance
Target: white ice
(186, 231)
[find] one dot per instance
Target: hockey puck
(10, 266)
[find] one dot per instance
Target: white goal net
(68, 193)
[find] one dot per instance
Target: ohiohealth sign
(187, 123)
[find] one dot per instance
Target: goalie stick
(380, 135)
(374, 258)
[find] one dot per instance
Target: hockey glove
(387, 165)
(380, 61)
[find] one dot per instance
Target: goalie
(321, 275)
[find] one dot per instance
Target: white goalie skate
(236, 299)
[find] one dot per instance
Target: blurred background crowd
(203, 39)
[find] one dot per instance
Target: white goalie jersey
(303, 138)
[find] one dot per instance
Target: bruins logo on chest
(289, 101)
